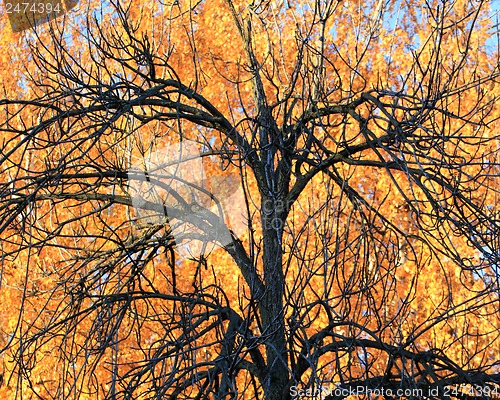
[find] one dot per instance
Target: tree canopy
(224, 199)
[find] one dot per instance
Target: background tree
(364, 138)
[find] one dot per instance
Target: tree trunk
(271, 305)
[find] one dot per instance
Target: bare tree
(332, 291)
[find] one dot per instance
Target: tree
(363, 253)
